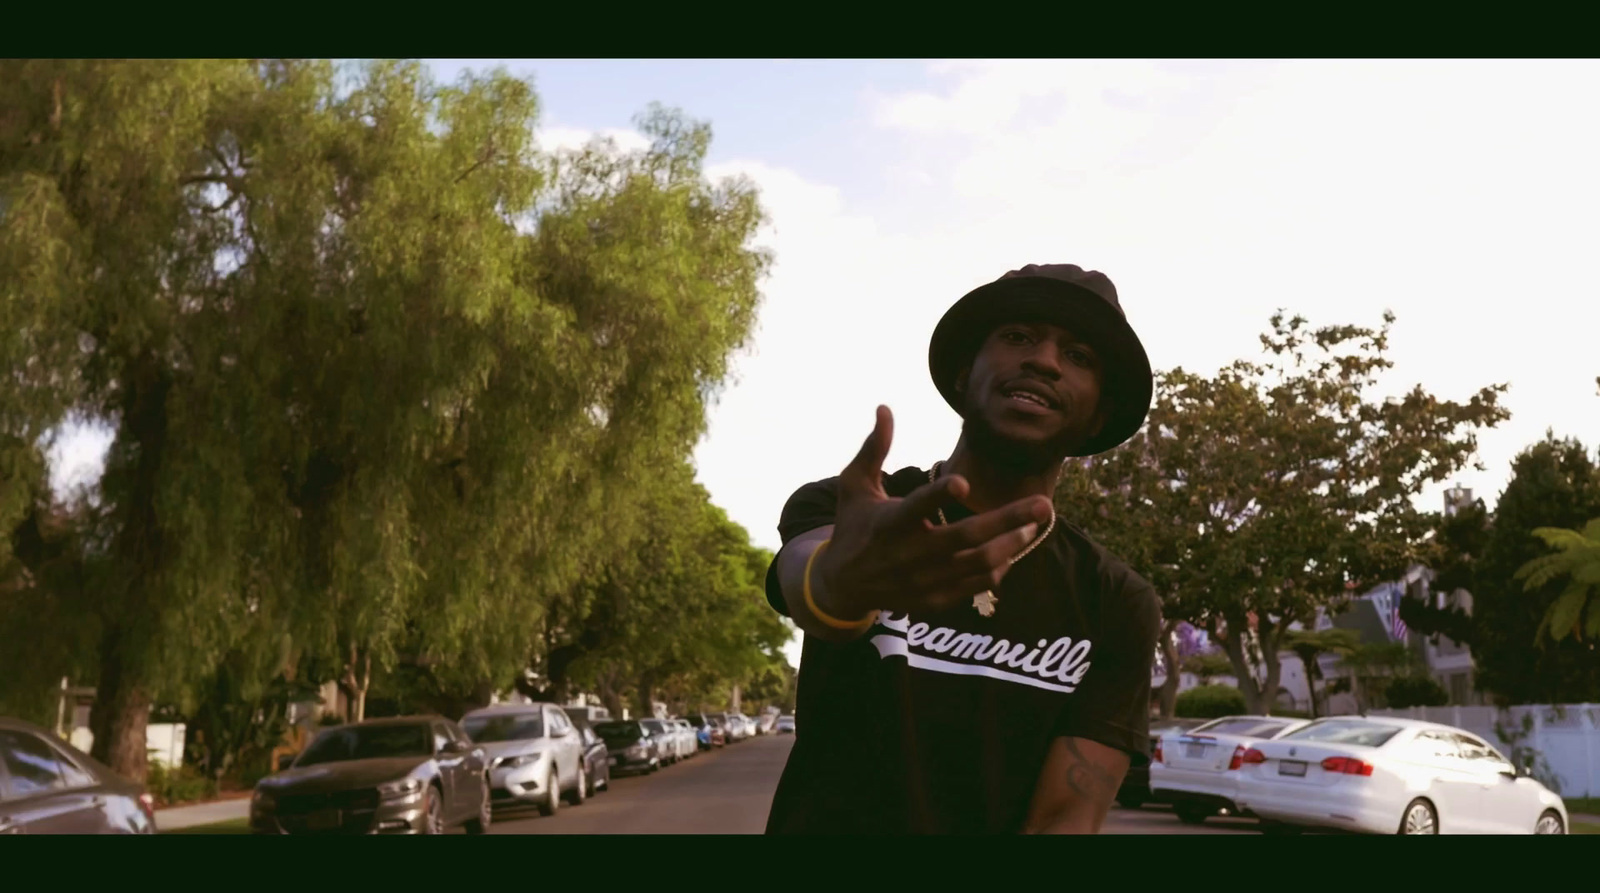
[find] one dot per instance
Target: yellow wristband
(811, 603)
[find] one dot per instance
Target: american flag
(1397, 627)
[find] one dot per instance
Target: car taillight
(1252, 756)
(1158, 753)
(1238, 758)
(1346, 766)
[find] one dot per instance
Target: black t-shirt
(940, 722)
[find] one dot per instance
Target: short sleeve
(1112, 707)
(810, 507)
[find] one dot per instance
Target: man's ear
(1102, 413)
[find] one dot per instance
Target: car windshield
(716, 721)
(510, 727)
(655, 726)
(367, 743)
(1250, 728)
(1345, 731)
(618, 731)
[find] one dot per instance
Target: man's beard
(1017, 457)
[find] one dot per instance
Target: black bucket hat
(1084, 301)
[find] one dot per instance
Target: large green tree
(1554, 483)
(677, 615)
(1255, 497)
(380, 372)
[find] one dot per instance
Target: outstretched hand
(888, 553)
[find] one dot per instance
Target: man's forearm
(792, 562)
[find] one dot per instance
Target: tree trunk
(733, 702)
(1233, 645)
(120, 716)
(1308, 659)
(609, 695)
(1169, 654)
(357, 678)
(645, 696)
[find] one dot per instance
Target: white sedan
(1385, 775)
(1197, 770)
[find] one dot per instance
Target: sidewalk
(177, 817)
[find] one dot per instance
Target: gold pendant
(984, 602)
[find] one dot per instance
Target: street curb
(179, 817)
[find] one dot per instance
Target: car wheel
(1550, 823)
(1419, 818)
(581, 792)
(480, 825)
(594, 785)
(552, 796)
(1130, 802)
(1193, 815)
(433, 812)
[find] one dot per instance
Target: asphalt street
(728, 791)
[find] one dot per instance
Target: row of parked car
(1376, 775)
(426, 774)
(420, 774)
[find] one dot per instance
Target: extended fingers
(983, 528)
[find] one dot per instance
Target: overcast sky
(1461, 195)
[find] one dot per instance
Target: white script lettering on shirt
(1062, 660)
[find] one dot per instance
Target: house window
(1460, 690)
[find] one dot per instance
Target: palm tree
(1577, 558)
(1308, 645)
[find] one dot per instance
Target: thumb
(866, 469)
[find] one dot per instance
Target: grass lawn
(1585, 828)
(1589, 805)
(231, 826)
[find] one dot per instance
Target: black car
(1135, 790)
(631, 746)
(47, 786)
(409, 775)
(596, 758)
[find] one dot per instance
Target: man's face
(1031, 396)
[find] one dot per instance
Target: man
(972, 663)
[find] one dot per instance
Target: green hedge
(184, 784)
(1415, 691)
(1210, 702)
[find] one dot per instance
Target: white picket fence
(1565, 737)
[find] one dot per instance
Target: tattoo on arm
(1086, 779)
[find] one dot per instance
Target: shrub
(1210, 702)
(184, 784)
(1415, 691)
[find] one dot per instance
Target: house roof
(1361, 616)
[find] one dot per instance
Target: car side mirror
(1511, 774)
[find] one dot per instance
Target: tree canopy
(382, 374)
(1554, 484)
(1257, 496)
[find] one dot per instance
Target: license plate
(324, 820)
(1294, 768)
(1194, 751)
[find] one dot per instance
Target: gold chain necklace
(985, 601)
